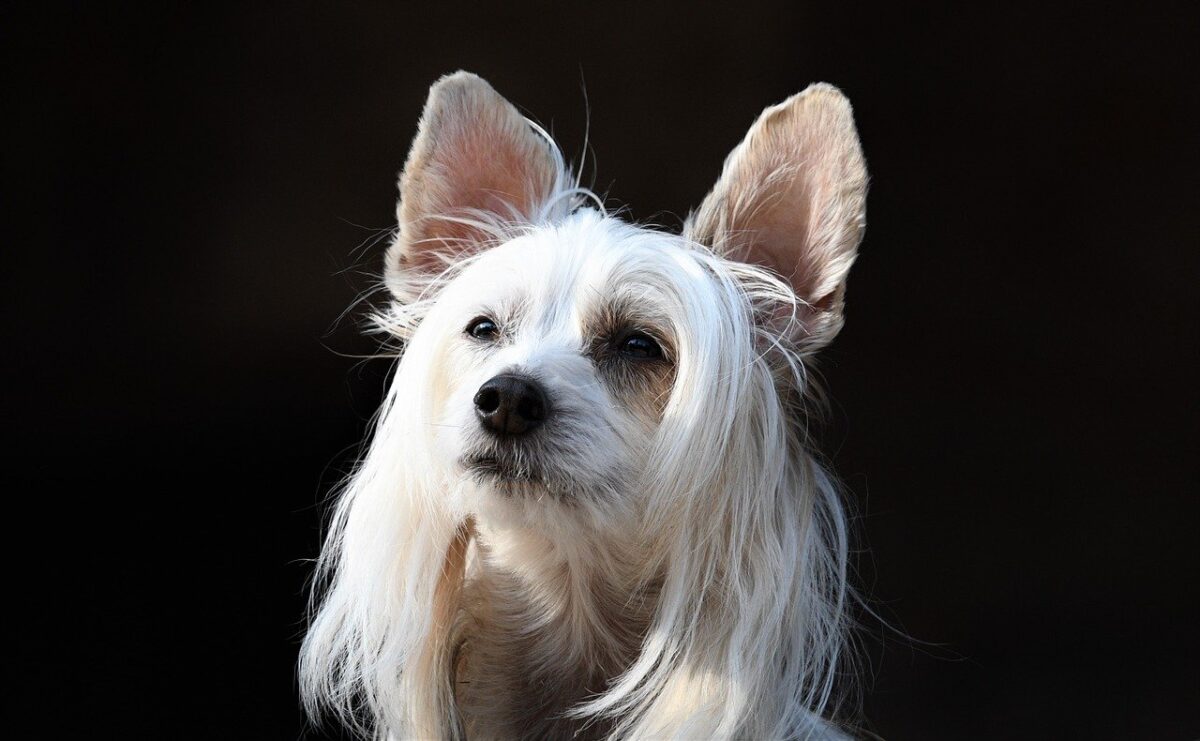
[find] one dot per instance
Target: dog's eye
(641, 346)
(482, 328)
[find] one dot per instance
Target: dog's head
(569, 378)
(556, 354)
(563, 357)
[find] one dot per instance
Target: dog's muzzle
(510, 405)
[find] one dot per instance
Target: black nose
(510, 405)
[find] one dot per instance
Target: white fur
(675, 564)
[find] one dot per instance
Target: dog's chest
(520, 667)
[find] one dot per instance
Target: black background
(195, 192)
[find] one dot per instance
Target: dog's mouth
(487, 468)
(518, 478)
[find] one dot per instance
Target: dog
(589, 508)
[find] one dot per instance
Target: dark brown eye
(482, 328)
(640, 346)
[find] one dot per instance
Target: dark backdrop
(196, 195)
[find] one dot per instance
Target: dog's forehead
(584, 265)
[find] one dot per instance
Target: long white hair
(737, 553)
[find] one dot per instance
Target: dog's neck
(544, 624)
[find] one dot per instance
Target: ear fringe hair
(752, 622)
(375, 658)
(376, 654)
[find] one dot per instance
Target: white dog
(588, 510)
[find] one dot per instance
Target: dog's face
(558, 352)
(563, 354)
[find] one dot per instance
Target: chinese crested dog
(588, 509)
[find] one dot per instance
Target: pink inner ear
(490, 177)
(791, 198)
(778, 234)
(472, 180)
(804, 250)
(475, 167)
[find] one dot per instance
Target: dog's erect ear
(475, 160)
(792, 198)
